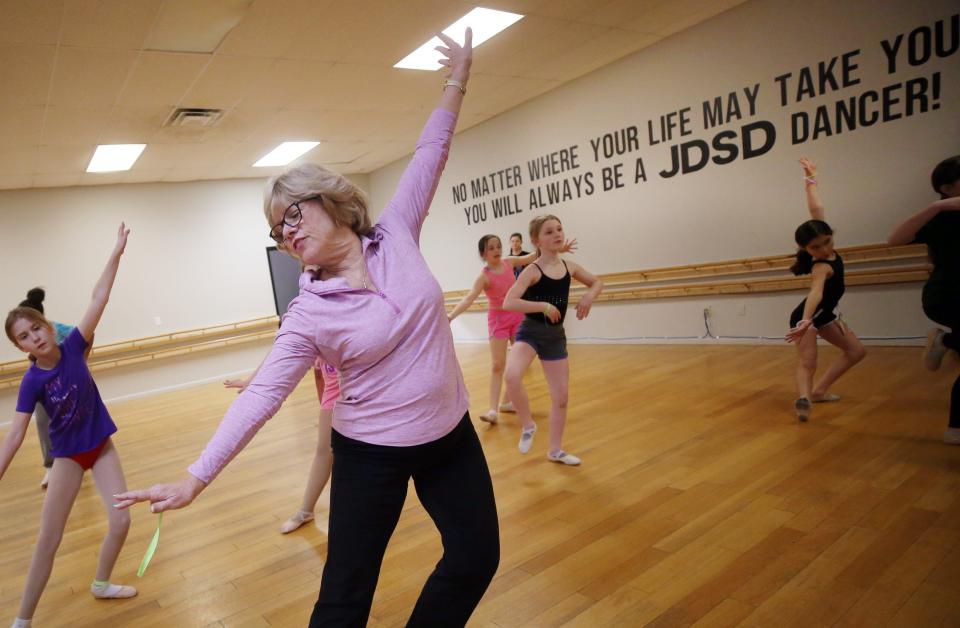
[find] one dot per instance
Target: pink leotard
(500, 323)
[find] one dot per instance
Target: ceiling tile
(30, 69)
(162, 78)
(17, 159)
(618, 13)
(21, 124)
(134, 125)
(33, 22)
(90, 76)
(237, 124)
(122, 24)
(62, 159)
(57, 180)
(292, 125)
(593, 54)
(266, 30)
(185, 156)
(15, 181)
(73, 125)
(227, 80)
(294, 83)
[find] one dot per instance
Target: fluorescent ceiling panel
(485, 24)
(284, 154)
(115, 157)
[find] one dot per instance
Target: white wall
(196, 257)
(871, 178)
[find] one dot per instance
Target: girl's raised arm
(810, 183)
(101, 292)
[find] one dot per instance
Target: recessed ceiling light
(115, 157)
(284, 154)
(485, 24)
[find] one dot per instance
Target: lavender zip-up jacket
(400, 382)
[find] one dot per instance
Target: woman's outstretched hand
(163, 496)
(456, 57)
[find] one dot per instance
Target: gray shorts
(549, 341)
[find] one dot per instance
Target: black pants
(367, 491)
(947, 313)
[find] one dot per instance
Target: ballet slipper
(112, 591)
(301, 517)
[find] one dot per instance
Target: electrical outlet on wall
(157, 321)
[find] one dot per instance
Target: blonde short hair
(346, 204)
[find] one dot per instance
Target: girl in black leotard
(816, 314)
(541, 292)
(938, 226)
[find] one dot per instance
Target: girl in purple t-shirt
(80, 429)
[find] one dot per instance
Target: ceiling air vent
(194, 118)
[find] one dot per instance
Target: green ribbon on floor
(148, 556)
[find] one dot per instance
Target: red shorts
(87, 458)
(503, 324)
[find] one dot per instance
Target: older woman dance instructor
(375, 312)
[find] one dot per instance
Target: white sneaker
(490, 417)
(564, 458)
(526, 439)
(952, 436)
(507, 407)
(934, 352)
(46, 479)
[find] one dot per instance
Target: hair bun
(34, 299)
(36, 295)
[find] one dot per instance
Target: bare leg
(557, 373)
(517, 364)
(853, 351)
(108, 475)
(65, 478)
(322, 463)
(807, 363)
(806, 367)
(498, 362)
(319, 474)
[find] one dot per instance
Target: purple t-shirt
(78, 419)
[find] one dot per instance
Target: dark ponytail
(35, 297)
(804, 235)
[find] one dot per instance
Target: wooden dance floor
(700, 502)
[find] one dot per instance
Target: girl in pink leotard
(328, 391)
(495, 280)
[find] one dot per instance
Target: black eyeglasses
(292, 216)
